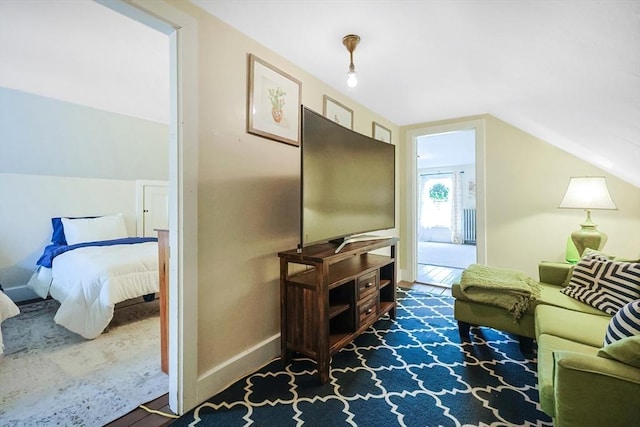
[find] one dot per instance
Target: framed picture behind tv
(380, 132)
(337, 112)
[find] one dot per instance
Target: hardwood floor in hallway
(436, 275)
(442, 264)
(432, 289)
(141, 418)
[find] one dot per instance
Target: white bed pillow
(81, 230)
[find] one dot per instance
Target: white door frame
(412, 191)
(183, 191)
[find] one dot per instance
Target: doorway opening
(446, 206)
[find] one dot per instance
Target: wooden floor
(141, 418)
(438, 276)
(432, 289)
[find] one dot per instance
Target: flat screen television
(347, 182)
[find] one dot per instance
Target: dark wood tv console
(328, 299)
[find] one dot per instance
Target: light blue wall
(58, 158)
(45, 136)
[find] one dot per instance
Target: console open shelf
(328, 299)
(336, 309)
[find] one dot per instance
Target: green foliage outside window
(439, 193)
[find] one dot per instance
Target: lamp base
(571, 253)
(588, 236)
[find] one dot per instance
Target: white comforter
(89, 281)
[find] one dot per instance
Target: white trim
(20, 293)
(183, 193)
(409, 274)
(225, 374)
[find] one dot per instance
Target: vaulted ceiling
(82, 52)
(565, 71)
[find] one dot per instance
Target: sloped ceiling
(82, 52)
(565, 71)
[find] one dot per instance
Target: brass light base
(350, 41)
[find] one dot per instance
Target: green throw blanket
(504, 288)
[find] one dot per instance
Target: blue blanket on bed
(52, 251)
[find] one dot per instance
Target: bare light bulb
(352, 78)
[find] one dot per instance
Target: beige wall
(248, 201)
(248, 195)
(525, 179)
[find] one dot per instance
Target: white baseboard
(20, 293)
(404, 275)
(225, 374)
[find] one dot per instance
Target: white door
(153, 207)
(155, 210)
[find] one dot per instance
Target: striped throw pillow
(604, 284)
(588, 254)
(625, 323)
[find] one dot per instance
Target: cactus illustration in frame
(274, 101)
(277, 98)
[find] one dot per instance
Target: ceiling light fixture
(350, 42)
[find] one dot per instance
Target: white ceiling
(565, 71)
(82, 52)
(446, 149)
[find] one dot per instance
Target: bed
(90, 266)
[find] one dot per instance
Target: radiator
(469, 225)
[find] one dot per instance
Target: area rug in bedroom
(410, 372)
(50, 376)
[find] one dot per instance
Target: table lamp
(587, 192)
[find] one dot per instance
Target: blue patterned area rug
(410, 372)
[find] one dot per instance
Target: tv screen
(348, 181)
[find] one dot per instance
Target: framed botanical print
(380, 132)
(273, 110)
(337, 112)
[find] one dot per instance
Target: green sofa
(576, 386)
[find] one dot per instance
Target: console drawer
(368, 309)
(367, 285)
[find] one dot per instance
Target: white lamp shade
(587, 192)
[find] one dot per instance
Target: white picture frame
(380, 132)
(338, 112)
